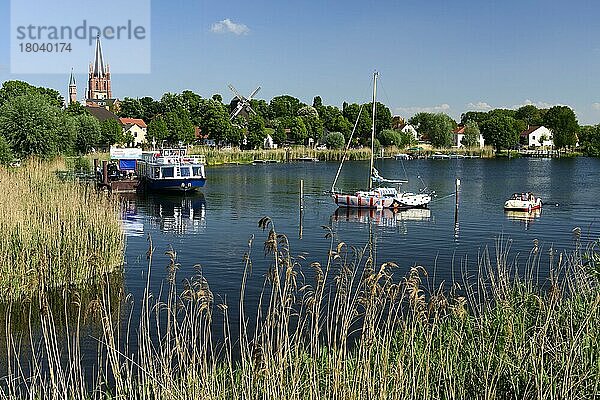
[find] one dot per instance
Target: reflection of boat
(381, 217)
(523, 202)
(379, 197)
(527, 217)
(179, 214)
(172, 169)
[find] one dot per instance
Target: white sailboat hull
(373, 200)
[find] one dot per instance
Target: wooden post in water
(105, 172)
(301, 205)
(95, 168)
(456, 198)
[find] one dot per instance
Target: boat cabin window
(156, 172)
(168, 172)
(197, 171)
(185, 171)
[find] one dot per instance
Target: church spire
(99, 70)
(72, 88)
(72, 79)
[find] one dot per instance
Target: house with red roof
(537, 136)
(136, 127)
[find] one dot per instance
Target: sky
(435, 56)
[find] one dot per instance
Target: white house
(268, 143)
(459, 134)
(136, 127)
(537, 136)
(408, 128)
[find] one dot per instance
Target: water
(213, 229)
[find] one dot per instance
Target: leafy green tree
(502, 112)
(13, 89)
(589, 140)
(111, 132)
(501, 131)
(529, 114)
(383, 116)
(131, 108)
(471, 135)
(6, 155)
(171, 102)
(561, 120)
(363, 128)
(279, 135)
(88, 133)
(437, 127)
(334, 120)
(76, 109)
(317, 102)
(214, 121)
(33, 126)
(310, 117)
(180, 126)
(390, 137)
(298, 133)
(217, 97)
(260, 107)
(157, 129)
(151, 108)
(256, 131)
(284, 106)
(335, 140)
(473, 116)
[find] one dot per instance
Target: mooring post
(95, 168)
(105, 172)
(301, 206)
(456, 198)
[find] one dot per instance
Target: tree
(111, 132)
(157, 129)
(32, 126)
(6, 155)
(437, 127)
(334, 121)
(214, 121)
(561, 120)
(260, 107)
(88, 133)
(284, 106)
(363, 127)
(383, 116)
(471, 135)
(279, 135)
(529, 114)
(310, 117)
(473, 116)
(390, 137)
(180, 126)
(317, 102)
(76, 109)
(298, 132)
(217, 97)
(501, 131)
(256, 131)
(131, 108)
(589, 140)
(335, 140)
(14, 89)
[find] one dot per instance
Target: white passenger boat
(525, 201)
(172, 170)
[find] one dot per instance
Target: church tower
(72, 89)
(99, 89)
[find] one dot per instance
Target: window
(197, 171)
(185, 171)
(168, 172)
(156, 173)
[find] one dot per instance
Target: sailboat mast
(375, 75)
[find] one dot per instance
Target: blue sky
(449, 56)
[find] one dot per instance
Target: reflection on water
(524, 217)
(382, 217)
(173, 213)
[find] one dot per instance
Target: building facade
(99, 90)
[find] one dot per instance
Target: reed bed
(348, 329)
(54, 233)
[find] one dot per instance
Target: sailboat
(380, 197)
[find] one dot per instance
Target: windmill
(243, 103)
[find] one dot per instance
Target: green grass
(54, 234)
(347, 329)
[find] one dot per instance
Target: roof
(98, 66)
(459, 131)
(529, 130)
(133, 121)
(101, 113)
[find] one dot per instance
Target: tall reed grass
(347, 329)
(53, 233)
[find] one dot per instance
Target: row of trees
(33, 122)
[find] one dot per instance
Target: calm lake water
(213, 228)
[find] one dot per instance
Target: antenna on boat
(375, 75)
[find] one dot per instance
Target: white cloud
(228, 26)
(596, 106)
(479, 106)
(538, 104)
(414, 110)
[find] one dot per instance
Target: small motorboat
(523, 202)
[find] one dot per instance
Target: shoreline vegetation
(351, 328)
(54, 234)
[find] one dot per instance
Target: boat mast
(375, 75)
